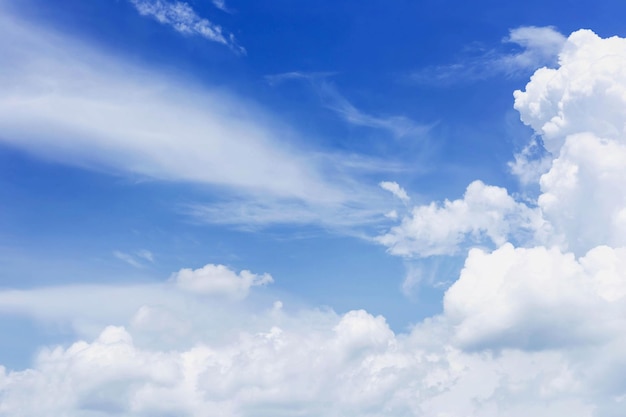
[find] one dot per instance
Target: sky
(244, 208)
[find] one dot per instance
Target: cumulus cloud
(219, 279)
(533, 325)
(182, 18)
(538, 298)
(308, 362)
(578, 109)
(484, 214)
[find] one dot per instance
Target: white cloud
(585, 94)
(219, 279)
(539, 47)
(395, 189)
(535, 330)
(485, 214)
(538, 298)
(96, 111)
(182, 18)
(270, 362)
(578, 109)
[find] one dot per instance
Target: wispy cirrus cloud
(183, 18)
(536, 47)
(97, 111)
(136, 259)
(398, 125)
(221, 4)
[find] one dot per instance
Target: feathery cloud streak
(182, 18)
(399, 126)
(539, 47)
(95, 111)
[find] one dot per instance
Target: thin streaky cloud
(183, 18)
(110, 116)
(129, 259)
(540, 47)
(399, 126)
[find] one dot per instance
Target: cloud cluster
(533, 325)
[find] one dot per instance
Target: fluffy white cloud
(485, 213)
(305, 362)
(579, 110)
(585, 94)
(538, 298)
(219, 279)
(308, 363)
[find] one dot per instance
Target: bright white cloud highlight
(182, 18)
(538, 298)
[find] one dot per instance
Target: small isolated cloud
(399, 126)
(219, 280)
(539, 46)
(395, 189)
(182, 18)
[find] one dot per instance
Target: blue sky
(158, 157)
